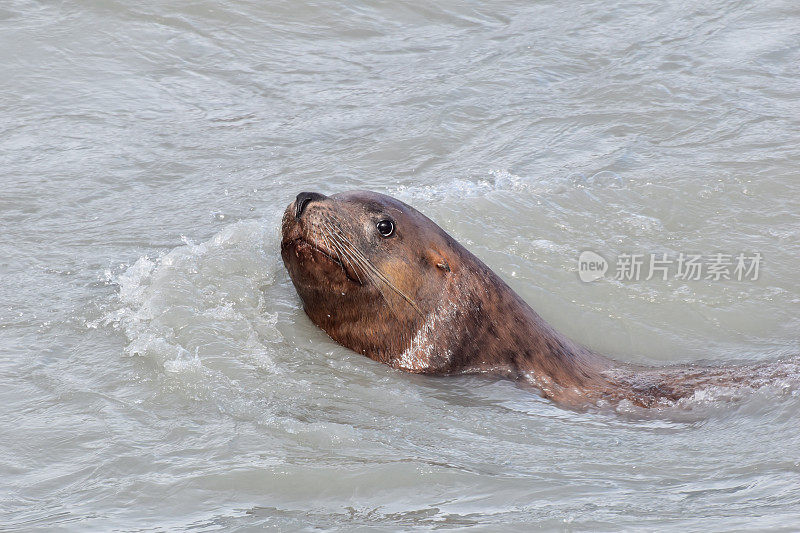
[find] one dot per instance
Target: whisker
(366, 270)
(351, 260)
(333, 249)
(343, 255)
(368, 264)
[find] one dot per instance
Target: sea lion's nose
(305, 198)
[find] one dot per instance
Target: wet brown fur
(421, 302)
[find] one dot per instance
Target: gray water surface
(157, 371)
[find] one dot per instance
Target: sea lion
(384, 280)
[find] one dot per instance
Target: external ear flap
(437, 259)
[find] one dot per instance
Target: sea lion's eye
(386, 227)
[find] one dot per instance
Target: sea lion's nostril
(300, 205)
(303, 199)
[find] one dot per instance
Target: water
(158, 373)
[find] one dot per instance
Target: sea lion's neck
(507, 337)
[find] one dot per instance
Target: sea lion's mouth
(299, 244)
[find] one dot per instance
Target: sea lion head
(370, 271)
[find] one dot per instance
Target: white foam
(200, 301)
(496, 180)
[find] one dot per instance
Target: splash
(200, 308)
